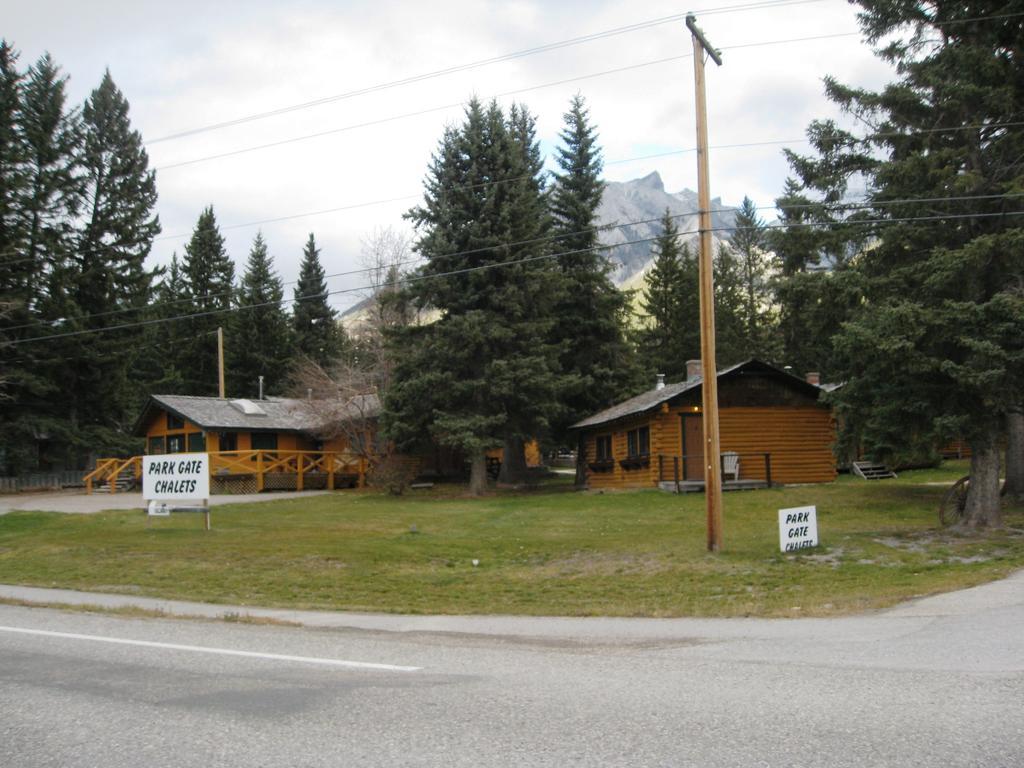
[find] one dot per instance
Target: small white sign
(159, 509)
(798, 528)
(176, 476)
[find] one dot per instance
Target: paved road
(939, 682)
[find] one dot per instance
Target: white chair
(731, 464)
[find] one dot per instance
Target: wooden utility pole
(709, 388)
(220, 360)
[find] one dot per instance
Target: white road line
(219, 651)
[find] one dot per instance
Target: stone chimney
(693, 370)
(813, 377)
(660, 384)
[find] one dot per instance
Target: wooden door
(693, 446)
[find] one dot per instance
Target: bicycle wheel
(954, 502)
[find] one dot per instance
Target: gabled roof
(654, 398)
(274, 414)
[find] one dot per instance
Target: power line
(474, 65)
(511, 262)
(831, 207)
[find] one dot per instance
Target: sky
(348, 167)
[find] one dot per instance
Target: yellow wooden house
(773, 429)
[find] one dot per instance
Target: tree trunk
(581, 463)
(983, 507)
(478, 474)
(1015, 455)
(513, 462)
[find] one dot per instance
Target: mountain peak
(651, 181)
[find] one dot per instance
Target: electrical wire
(410, 279)
(830, 207)
(477, 64)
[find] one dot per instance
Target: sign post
(176, 477)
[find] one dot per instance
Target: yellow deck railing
(256, 464)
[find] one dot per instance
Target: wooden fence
(53, 481)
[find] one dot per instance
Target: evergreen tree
(159, 366)
(671, 302)
(318, 335)
(592, 313)
(937, 345)
(731, 343)
(261, 339)
(482, 372)
(750, 246)
(19, 274)
(109, 270)
(51, 200)
(208, 276)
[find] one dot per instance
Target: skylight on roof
(248, 407)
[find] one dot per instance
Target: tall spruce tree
(592, 313)
(111, 247)
(671, 334)
(731, 344)
(209, 277)
(52, 138)
(317, 333)
(937, 347)
(261, 338)
(160, 363)
(483, 371)
(756, 317)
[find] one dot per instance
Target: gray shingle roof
(655, 397)
(280, 414)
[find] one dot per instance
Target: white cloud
(190, 64)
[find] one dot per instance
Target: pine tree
(52, 139)
(260, 339)
(591, 311)
(937, 345)
(731, 343)
(158, 365)
(482, 372)
(109, 267)
(317, 333)
(209, 277)
(750, 246)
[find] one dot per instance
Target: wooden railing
(110, 470)
(255, 464)
(674, 468)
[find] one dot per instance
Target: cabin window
(604, 447)
(173, 422)
(175, 443)
(196, 442)
(156, 446)
(229, 441)
(638, 449)
(638, 442)
(264, 441)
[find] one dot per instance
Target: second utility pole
(709, 386)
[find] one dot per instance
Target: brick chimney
(660, 384)
(813, 377)
(693, 370)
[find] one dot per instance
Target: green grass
(551, 551)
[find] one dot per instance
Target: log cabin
(274, 443)
(772, 425)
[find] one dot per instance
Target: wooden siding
(799, 439)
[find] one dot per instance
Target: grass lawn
(550, 551)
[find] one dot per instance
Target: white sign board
(176, 476)
(798, 528)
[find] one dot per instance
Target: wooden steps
(869, 470)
